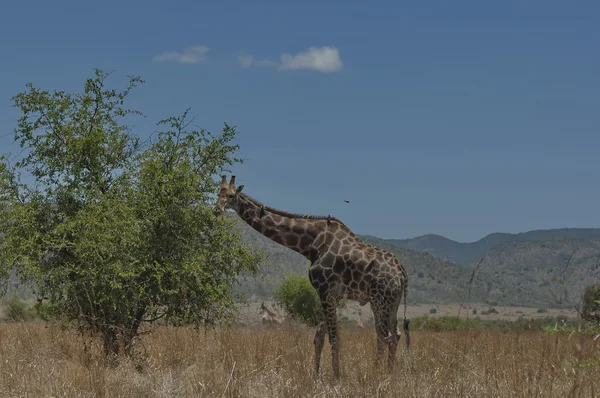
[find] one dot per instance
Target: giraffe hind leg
(406, 320)
(381, 328)
(395, 334)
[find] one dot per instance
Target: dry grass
(38, 360)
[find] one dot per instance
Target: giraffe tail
(406, 320)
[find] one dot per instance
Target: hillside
(518, 269)
(538, 273)
(464, 253)
(523, 272)
(432, 280)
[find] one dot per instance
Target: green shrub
(591, 304)
(42, 310)
(433, 310)
(17, 310)
(490, 310)
(589, 329)
(299, 299)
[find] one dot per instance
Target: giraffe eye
(231, 195)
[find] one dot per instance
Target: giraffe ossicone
(342, 266)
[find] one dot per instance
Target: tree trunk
(111, 344)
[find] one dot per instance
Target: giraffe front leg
(319, 341)
(381, 346)
(330, 314)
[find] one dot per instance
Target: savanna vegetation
(299, 299)
(133, 280)
(114, 231)
(42, 361)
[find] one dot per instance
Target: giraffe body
(342, 266)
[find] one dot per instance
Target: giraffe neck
(295, 232)
(267, 311)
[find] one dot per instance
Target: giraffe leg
(317, 279)
(381, 330)
(330, 314)
(319, 341)
(394, 335)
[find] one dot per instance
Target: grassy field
(249, 313)
(41, 360)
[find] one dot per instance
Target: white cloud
(323, 59)
(189, 55)
(247, 61)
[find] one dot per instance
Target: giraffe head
(228, 197)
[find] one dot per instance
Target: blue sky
(457, 118)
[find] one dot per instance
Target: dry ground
(39, 360)
(249, 313)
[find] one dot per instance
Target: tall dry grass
(40, 360)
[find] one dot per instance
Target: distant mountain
(464, 253)
(543, 273)
(432, 279)
(527, 269)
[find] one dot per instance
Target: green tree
(299, 299)
(113, 232)
(590, 309)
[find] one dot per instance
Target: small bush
(433, 310)
(42, 310)
(541, 310)
(17, 310)
(591, 304)
(490, 310)
(299, 299)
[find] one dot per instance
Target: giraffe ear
(239, 189)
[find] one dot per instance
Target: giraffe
(360, 323)
(342, 266)
(268, 317)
